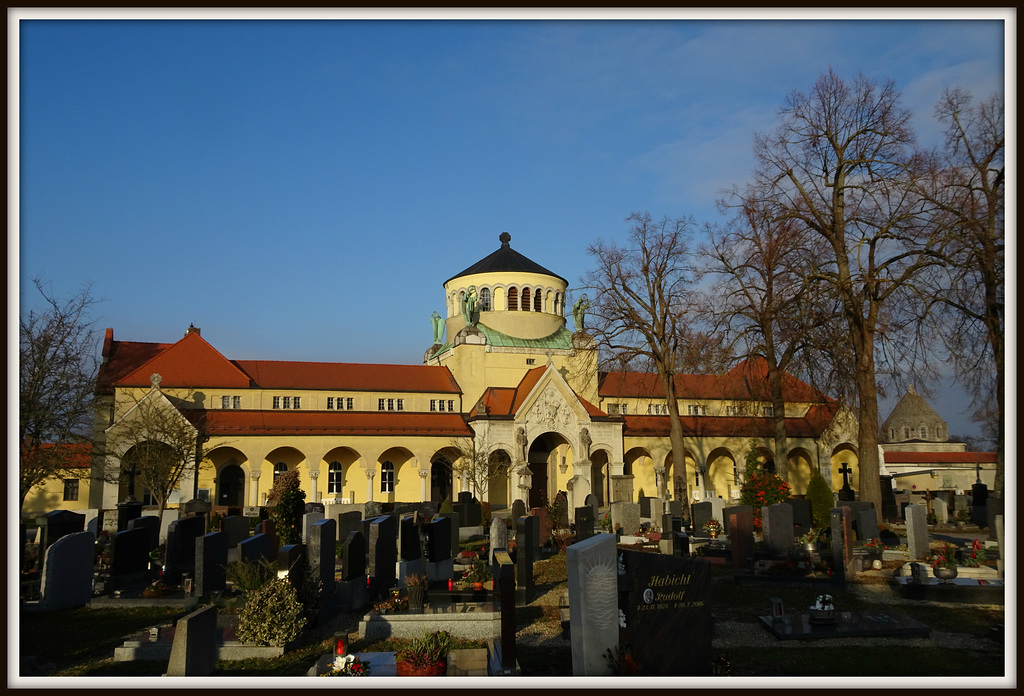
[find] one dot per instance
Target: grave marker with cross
(846, 492)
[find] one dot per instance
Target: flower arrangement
(396, 602)
(761, 487)
(478, 572)
(977, 556)
(944, 557)
(823, 603)
(811, 537)
(427, 653)
(712, 527)
(347, 666)
(156, 589)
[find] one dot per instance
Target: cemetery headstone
(593, 604)
(180, 556)
(590, 500)
(314, 507)
(151, 523)
(195, 506)
(584, 523)
(194, 650)
(865, 524)
(439, 535)
(741, 535)
(322, 553)
(498, 539)
(350, 521)
(292, 561)
(801, 515)
(353, 557)
(256, 549)
(889, 507)
(409, 545)
(211, 559)
(308, 520)
(127, 511)
(626, 516)
(53, 525)
(645, 506)
(267, 527)
(727, 512)
(669, 627)
(917, 531)
(525, 555)
(994, 507)
(717, 507)
(518, 508)
(235, 528)
(702, 512)
(842, 542)
(453, 523)
(130, 552)
(777, 525)
(544, 526)
(67, 572)
(383, 543)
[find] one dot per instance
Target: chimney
(192, 329)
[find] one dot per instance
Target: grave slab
(887, 623)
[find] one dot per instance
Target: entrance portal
(440, 480)
(231, 486)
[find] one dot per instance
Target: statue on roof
(438, 324)
(579, 311)
(469, 305)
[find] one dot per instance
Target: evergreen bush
(287, 503)
(273, 615)
(446, 505)
(821, 499)
(761, 487)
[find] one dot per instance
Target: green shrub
(248, 575)
(821, 499)
(428, 650)
(760, 487)
(287, 503)
(273, 615)
(446, 505)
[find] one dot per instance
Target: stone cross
(845, 470)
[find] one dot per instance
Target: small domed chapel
(506, 380)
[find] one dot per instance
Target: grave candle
(449, 584)
(339, 649)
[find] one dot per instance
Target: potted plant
(478, 574)
(823, 611)
(416, 586)
(810, 540)
(426, 656)
(944, 564)
(713, 528)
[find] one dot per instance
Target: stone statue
(585, 441)
(438, 323)
(521, 443)
(579, 311)
(469, 305)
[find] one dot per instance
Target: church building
(505, 381)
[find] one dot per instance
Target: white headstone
(593, 604)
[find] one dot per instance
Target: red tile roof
(229, 422)
(810, 426)
(191, 362)
(506, 401)
(73, 456)
(278, 374)
(747, 380)
(939, 457)
(122, 357)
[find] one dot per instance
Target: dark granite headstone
(842, 541)
(865, 524)
(995, 506)
(322, 552)
(680, 544)
(645, 506)
(383, 543)
(591, 500)
(353, 557)
(702, 512)
(267, 527)
(256, 548)
(802, 518)
(525, 554)
(668, 618)
(130, 552)
(518, 508)
(741, 535)
(235, 528)
(465, 497)
(453, 524)
(439, 539)
(675, 508)
(211, 558)
(348, 522)
(150, 522)
(741, 509)
(180, 556)
(127, 511)
(409, 545)
(584, 523)
(291, 559)
(313, 507)
(195, 506)
(890, 512)
(54, 525)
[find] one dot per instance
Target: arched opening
(721, 475)
(441, 479)
(485, 299)
(799, 470)
(845, 467)
(231, 486)
(545, 455)
(524, 302)
(513, 299)
(497, 486)
(640, 465)
(599, 480)
(538, 301)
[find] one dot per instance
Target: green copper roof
(559, 340)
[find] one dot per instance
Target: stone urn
(944, 574)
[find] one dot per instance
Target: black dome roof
(506, 259)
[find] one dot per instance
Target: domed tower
(505, 314)
(914, 420)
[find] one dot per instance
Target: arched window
(524, 302)
(335, 477)
(485, 299)
(538, 301)
(557, 309)
(279, 469)
(513, 299)
(924, 431)
(906, 433)
(387, 477)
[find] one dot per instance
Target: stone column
(314, 495)
(464, 482)
(424, 474)
(254, 487)
(370, 473)
(659, 482)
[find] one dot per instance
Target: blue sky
(301, 189)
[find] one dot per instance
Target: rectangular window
(236, 401)
(768, 411)
(296, 403)
(348, 403)
(732, 410)
(391, 404)
(531, 361)
(613, 409)
(623, 409)
(225, 402)
(330, 403)
(433, 404)
(401, 404)
(277, 402)
(380, 404)
(70, 489)
(286, 402)
(451, 406)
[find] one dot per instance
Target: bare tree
(473, 462)
(158, 443)
(840, 164)
(58, 369)
(967, 299)
(641, 297)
